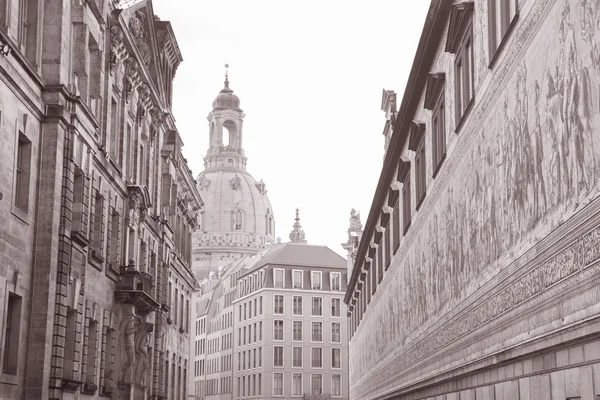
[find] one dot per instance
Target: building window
(297, 357)
(406, 206)
(317, 332)
(387, 245)
(238, 218)
(260, 331)
(317, 357)
(12, 333)
(336, 385)
(98, 227)
(336, 332)
(278, 356)
(297, 331)
(336, 358)
(297, 305)
(278, 278)
(277, 330)
(278, 304)
(336, 307)
(277, 384)
(297, 279)
(396, 226)
(317, 306)
(315, 280)
(316, 384)
(420, 179)
(90, 376)
(22, 173)
(296, 384)
(501, 15)
(336, 281)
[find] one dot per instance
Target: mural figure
(539, 187)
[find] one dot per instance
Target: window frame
(312, 358)
(275, 297)
(294, 357)
(312, 331)
(339, 308)
(282, 356)
(275, 321)
(340, 387)
(294, 306)
(275, 270)
(294, 271)
(332, 276)
(312, 306)
(340, 358)
(294, 340)
(339, 324)
(282, 384)
(312, 280)
(301, 384)
(508, 21)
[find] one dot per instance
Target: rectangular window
(277, 330)
(278, 278)
(421, 187)
(297, 279)
(260, 305)
(297, 331)
(336, 385)
(464, 80)
(98, 227)
(260, 331)
(336, 332)
(396, 225)
(315, 280)
(278, 356)
(296, 384)
(387, 244)
(297, 305)
(317, 332)
(259, 357)
(317, 306)
(438, 131)
(12, 333)
(90, 376)
(336, 281)
(316, 384)
(277, 384)
(317, 357)
(406, 207)
(336, 358)
(501, 15)
(278, 304)
(336, 305)
(22, 173)
(297, 357)
(380, 253)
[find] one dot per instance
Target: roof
(301, 255)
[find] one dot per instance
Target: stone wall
(506, 229)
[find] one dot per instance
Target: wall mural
(536, 162)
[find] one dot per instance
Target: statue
(142, 341)
(355, 220)
(129, 328)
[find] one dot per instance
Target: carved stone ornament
(130, 77)
(144, 93)
(138, 205)
(137, 30)
(128, 328)
(116, 48)
(262, 187)
(142, 362)
(203, 183)
(355, 220)
(235, 182)
(157, 120)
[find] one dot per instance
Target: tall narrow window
(115, 240)
(336, 307)
(296, 384)
(317, 306)
(277, 330)
(317, 332)
(297, 279)
(420, 187)
(336, 385)
(297, 305)
(90, 375)
(316, 385)
(501, 17)
(98, 228)
(317, 357)
(12, 333)
(22, 173)
(115, 139)
(336, 281)
(237, 220)
(336, 332)
(404, 177)
(278, 304)
(277, 384)
(297, 331)
(278, 356)
(278, 278)
(316, 280)
(336, 358)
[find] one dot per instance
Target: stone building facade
(96, 201)
(477, 273)
(272, 326)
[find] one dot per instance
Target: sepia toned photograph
(317, 200)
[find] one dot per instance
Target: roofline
(431, 36)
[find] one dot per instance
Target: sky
(310, 77)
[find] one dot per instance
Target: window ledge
(464, 116)
(96, 259)
(22, 215)
(439, 166)
(9, 379)
(494, 58)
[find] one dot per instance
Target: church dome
(226, 100)
(237, 212)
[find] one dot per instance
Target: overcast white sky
(309, 75)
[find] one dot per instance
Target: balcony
(137, 288)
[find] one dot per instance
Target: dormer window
(315, 280)
(417, 144)
(460, 43)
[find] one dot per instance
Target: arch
(230, 139)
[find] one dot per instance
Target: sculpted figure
(128, 342)
(142, 340)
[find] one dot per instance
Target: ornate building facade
(237, 218)
(97, 203)
(477, 271)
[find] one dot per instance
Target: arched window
(238, 217)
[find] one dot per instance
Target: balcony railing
(137, 288)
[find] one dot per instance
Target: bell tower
(225, 132)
